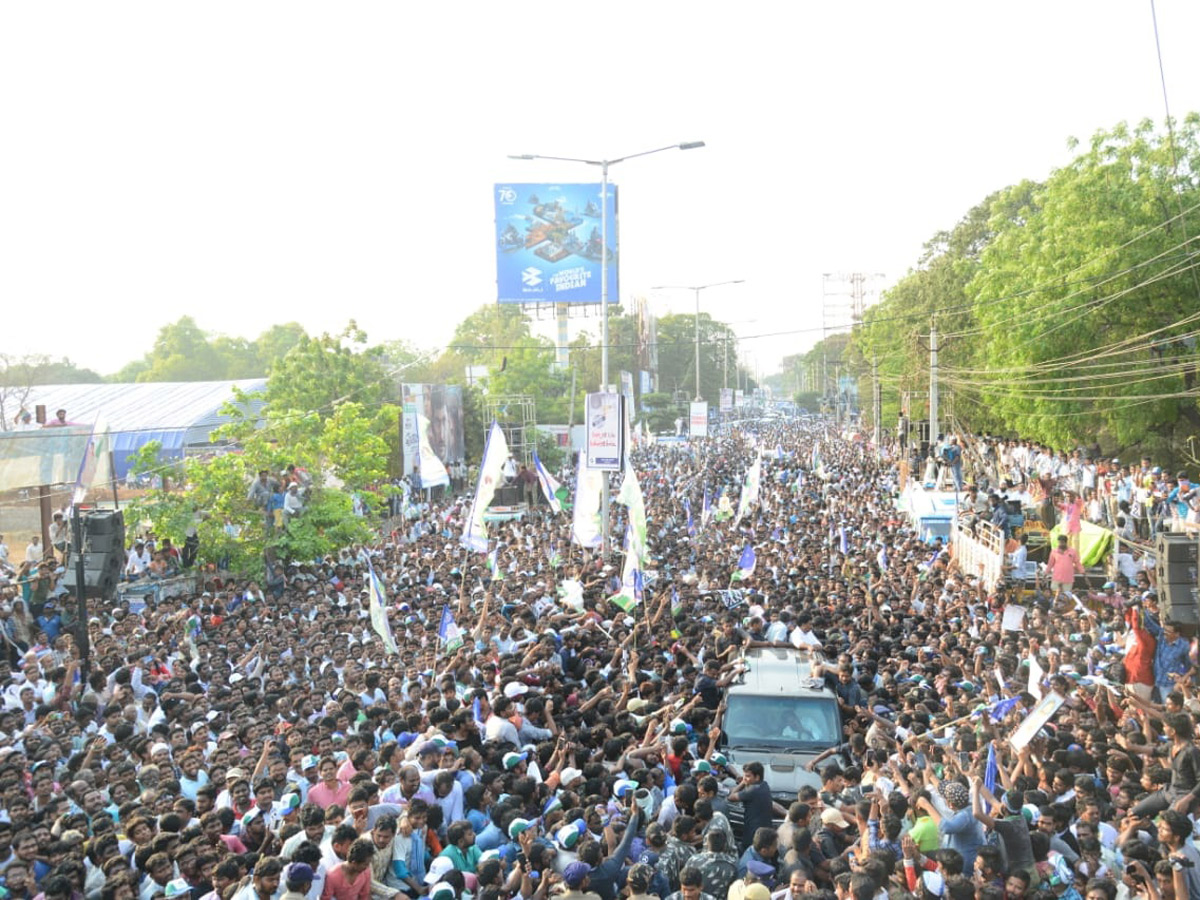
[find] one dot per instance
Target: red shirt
(338, 886)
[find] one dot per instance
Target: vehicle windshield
(803, 723)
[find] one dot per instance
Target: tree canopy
(1066, 308)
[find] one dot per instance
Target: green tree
(182, 352)
(1099, 255)
(320, 371)
(274, 343)
(677, 356)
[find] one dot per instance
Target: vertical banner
(726, 400)
(739, 398)
(627, 393)
(586, 528)
(645, 383)
(605, 432)
(548, 243)
(410, 436)
(699, 419)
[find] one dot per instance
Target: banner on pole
(605, 432)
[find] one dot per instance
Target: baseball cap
(512, 760)
(517, 826)
(576, 872)
(438, 869)
(832, 816)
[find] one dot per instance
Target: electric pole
(933, 385)
(878, 406)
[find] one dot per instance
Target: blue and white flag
(555, 493)
(378, 608)
(687, 508)
(706, 509)
(746, 564)
(843, 540)
(992, 771)
(448, 631)
(1002, 708)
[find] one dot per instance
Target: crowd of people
(532, 738)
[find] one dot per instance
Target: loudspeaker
(1180, 603)
(103, 554)
(104, 521)
(101, 572)
(1183, 573)
(103, 543)
(1177, 548)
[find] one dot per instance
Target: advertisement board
(726, 400)
(442, 405)
(699, 419)
(739, 398)
(645, 383)
(605, 433)
(548, 243)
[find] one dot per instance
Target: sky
(248, 163)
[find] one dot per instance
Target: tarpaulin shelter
(180, 415)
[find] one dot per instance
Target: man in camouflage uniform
(680, 848)
(716, 864)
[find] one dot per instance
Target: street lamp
(697, 288)
(604, 164)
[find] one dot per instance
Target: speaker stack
(103, 554)
(1178, 583)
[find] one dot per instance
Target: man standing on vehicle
(758, 808)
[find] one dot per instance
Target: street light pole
(697, 288)
(604, 164)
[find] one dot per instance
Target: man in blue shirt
(1172, 655)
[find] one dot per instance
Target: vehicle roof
(780, 670)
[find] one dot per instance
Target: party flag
(378, 608)
(495, 455)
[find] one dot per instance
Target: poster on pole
(699, 419)
(726, 400)
(548, 243)
(645, 383)
(739, 398)
(605, 432)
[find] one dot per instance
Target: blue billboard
(548, 246)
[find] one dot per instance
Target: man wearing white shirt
(138, 559)
(33, 552)
(802, 635)
(498, 727)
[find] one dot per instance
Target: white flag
(585, 522)
(433, 473)
(495, 455)
(1036, 674)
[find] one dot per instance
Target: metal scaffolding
(516, 414)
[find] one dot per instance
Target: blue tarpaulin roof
(178, 414)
